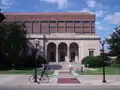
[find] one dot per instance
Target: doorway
(62, 56)
(52, 56)
(72, 57)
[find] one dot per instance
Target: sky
(107, 11)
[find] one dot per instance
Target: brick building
(64, 37)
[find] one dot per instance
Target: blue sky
(107, 11)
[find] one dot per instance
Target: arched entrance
(51, 52)
(74, 52)
(62, 52)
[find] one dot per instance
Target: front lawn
(28, 72)
(99, 71)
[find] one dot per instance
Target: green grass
(28, 72)
(99, 71)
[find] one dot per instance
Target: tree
(13, 40)
(114, 42)
(2, 17)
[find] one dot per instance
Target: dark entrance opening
(52, 56)
(72, 56)
(62, 56)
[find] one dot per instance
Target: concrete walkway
(6, 79)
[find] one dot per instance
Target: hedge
(96, 61)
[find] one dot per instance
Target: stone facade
(64, 37)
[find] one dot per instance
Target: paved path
(84, 79)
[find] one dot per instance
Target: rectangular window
(69, 24)
(29, 27)
(78, 30)
(86, 24)
(70, 30)
(44, 30)
(77, 21)
(36, 27)
(61, 30)
(61, 24)
(86, 30)
(53, 24)
(78, 24)
(44, 24)
(91, 52)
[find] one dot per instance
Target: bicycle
(40, 79)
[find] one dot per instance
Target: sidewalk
(83, 79)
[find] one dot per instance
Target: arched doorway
(62, 52)
(51, 52)
(74, 54)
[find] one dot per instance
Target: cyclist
(44, 69)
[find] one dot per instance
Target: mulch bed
(67, 81)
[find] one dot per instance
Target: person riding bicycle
(44, 69)
(44, 66)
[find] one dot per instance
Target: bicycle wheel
(31, 79)
(45, 79)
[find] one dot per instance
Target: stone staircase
(66, 65)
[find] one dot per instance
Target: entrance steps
(67, 65)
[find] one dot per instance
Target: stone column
(68, 54)
(81, 50)
(56, 54)
(79, 54)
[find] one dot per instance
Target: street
(61, 88)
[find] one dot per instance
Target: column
(56, 54)
(79, 54)
(81, 50)
(74, 26)
(49, 27)
(68, 54)
(91, 26)
(32, 27)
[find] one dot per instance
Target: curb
(39, 85)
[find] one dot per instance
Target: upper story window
(77, 21)
(86, 21)
(52, 21)
(61, 21)
(69, 21)
(93, 22)
(44, 21)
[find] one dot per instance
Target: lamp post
(2, 17)
(36, 42)
(102, 42)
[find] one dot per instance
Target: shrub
(117, 61)
(96, 61)
(115, 65)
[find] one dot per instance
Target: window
(52, 26)
(86, 21)
(69, 21)
(52, 21)
(44, 21)
(77, 21)
(91, 52)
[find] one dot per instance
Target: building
(64, 37)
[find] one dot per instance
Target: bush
(96, 61)
(28, 62)
(115, 65)
(117, 61)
